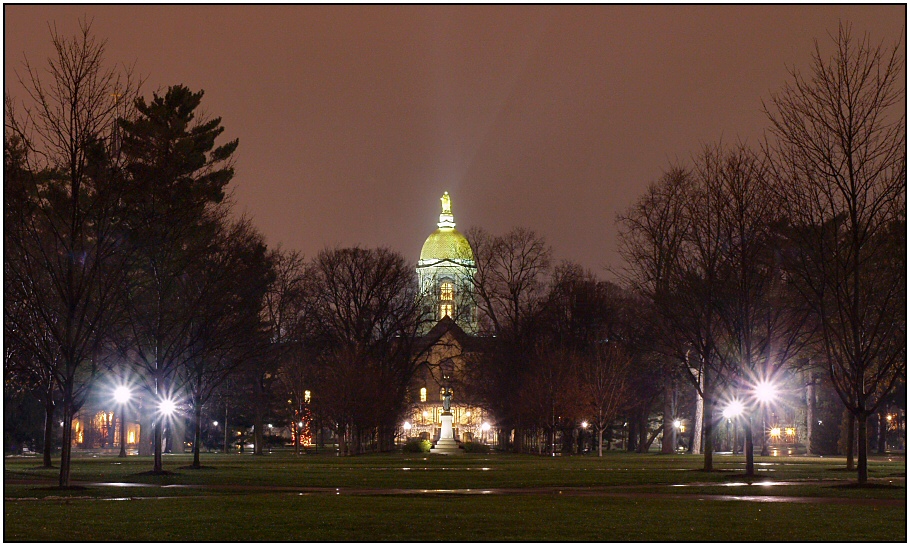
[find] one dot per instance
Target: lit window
(306, 396)
(423, 394)
(131, 438)
(446, 310)
(446, 291)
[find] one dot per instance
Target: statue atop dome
(446, 220)
(446, 270)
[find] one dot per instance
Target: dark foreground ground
(620, 497)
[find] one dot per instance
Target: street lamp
(122, 395)
(167, 407)
(765, 392)
(733, 410)
(485, 427)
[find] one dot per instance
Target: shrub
(416, 445)
(472, 447)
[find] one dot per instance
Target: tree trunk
(226, 433)
(67, 447)
(197, 434)
(862, 465)
(643, 430)
(750, 447)
(122, 431)
(157, 466)
(709, 433)
(48, 431)
(258, 418)
(851, 439)
(698, 424)
(810, 415)
(632, 444)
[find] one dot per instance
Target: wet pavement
(627, 492)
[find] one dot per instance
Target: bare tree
(605, 375)
(66, 259)
(761, 330)
(231, 279)
(672, 241)
(510, 287)
(368, 313)
(839, 158)
(289, 315)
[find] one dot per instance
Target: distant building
(445, 271)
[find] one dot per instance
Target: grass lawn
(634, 497)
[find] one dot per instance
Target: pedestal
(446, 444)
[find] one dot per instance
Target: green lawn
(247, 498)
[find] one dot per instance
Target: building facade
(445, 272)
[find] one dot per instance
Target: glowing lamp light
(677, 423)
(300, 424)
(425, 414)
(584, 424)
(775, 432)
(214, 423)
(167, 407)
(485, 427)
(888, 417)
(122, 394)
(734, 409)
(791, 432)
(765, 391)
(407, 426)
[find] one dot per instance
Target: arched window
(446, 310)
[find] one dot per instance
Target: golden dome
(446, 243)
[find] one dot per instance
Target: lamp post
(122, 395)
(584, 429)
(406, 431)
(733, 410)
(765, 393)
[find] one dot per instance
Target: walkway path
(602, 491)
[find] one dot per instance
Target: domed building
(446, 274)
(446, 271)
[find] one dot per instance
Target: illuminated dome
(445, 272)
(446, 243)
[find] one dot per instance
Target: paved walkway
(598, 491)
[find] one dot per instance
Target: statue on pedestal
(447, 399)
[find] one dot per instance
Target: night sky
(353, 120)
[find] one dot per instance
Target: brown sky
(353, 120)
